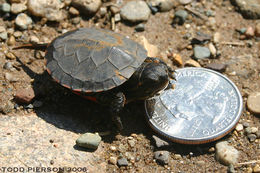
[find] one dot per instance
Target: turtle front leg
(116, 106)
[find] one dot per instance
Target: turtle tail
(41, 47)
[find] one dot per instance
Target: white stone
(226, 154)
(22, 21)
(18, 8)
(51, 9)
(239, 127)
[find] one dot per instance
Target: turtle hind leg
(116, 106)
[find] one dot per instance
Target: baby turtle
(105, 67)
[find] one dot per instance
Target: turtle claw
(117, 121)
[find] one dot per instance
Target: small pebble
(254, 129)
(87, 6)
(253, 102)
(191, 63)
(17, 34)
(216, 37)
(212, 49)
(17, 8)
(89, 140)
(112, 148)
(131, 143)
(135, 11)
(140, 27)
(5, 7)
(217, 67)
(11, 41)
(103, 11)
(177, 157)
(10, 77)
(159, 142)
(49, 9)
(250, 32)
(73, 11)
(226, 154)
(251, 137)
(23, 21)
(201, 52)
(248, 130)
(76, 20)
(112, 160)
(163, 5)
(212, 149)
(162, 157)
(24, 95)
(8, 66)
(34, 39)
(176, 59)
(246, 124)
(256, 168)
(114, 9)
(30, 106)
(122, 162)
(180, 16)
(239, 127)
(117, 17)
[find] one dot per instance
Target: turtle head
(150, 78)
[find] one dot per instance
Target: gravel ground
(40, 120)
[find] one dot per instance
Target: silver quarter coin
(203, 106)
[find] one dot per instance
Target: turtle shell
(93, 60)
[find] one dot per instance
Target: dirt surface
(27, 134)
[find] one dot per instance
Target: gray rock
(135, 11)
(87, 6)
(18, 8)
(122, 162)
(50, 9)
(22, 21)
(89, 140)
(180, 16)
(253, 102)
(246, 124)
(140, 27)
(159, 142)
(8, 66)
(162, 157)
(251, 137)
(5, 7)
(163, 5)
(226, 154)
(217, 67)
(248, 130)
(201, 52)
(3, 35)
(249, 8)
